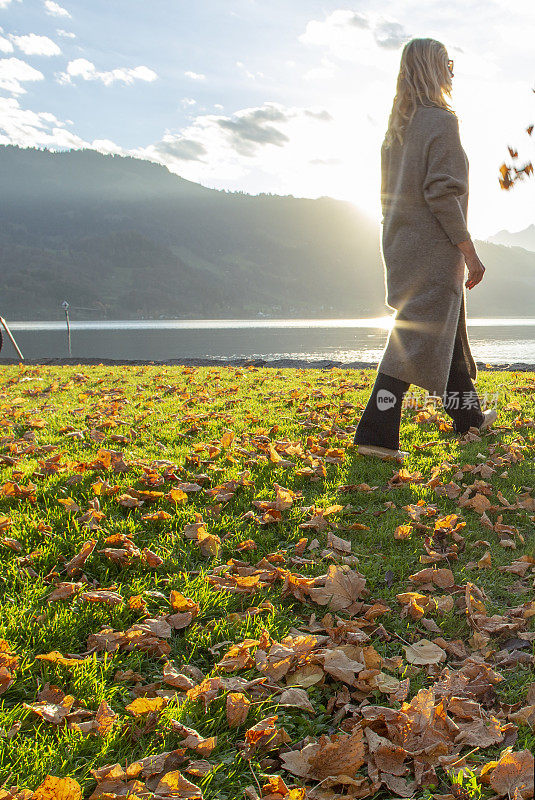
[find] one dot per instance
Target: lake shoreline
(281, 363)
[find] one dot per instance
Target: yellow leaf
(58, 789)
(146, 705)
(177, 496)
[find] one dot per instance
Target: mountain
(525, 238)
(128, 238)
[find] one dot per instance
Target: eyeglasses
(450, 67)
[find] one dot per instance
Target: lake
(493, 341)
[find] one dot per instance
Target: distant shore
(242, 362)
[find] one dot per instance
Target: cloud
(195, 76)
(251, 128)
(32, 129)
(272, 142)
(390, 34)
(328, 69)
(26, 128)
(252, 75)
(5, 45)
(188, 101)
(355, 37)
(5, 3)
(34, 45)
(321, 115)
(14, 72)
(65, 34)
(143, 74)
(86, 70)
(55, 10)
(106, 146)
(358, 20)
(181, 148)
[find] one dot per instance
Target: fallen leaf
(296, 698)
(146, 705)
(58, 789)
(424, 652)
(512, 773)
(237, 709)
(342, 588)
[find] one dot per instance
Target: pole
(13, 342)
(65, 307)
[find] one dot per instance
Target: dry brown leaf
(443, 578)
(342, 588)
(306, 676)
(265, 735)
(237, 709)
(54, 712)
(424, 652)
(103, 596)
(524, 716)
(199, 768)
(179, 621)
(387, 756)
(173, 677)
(206, 691)
(57, 658)
(193, 740)
(296, 698)
(105, 717)
(339, 665)
(179, 495)
(69, 504)
(338, 544)
(64, 590)
(485, 562)
(329, 756)
(513, 772)
(80, 558)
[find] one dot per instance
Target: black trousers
(380, 421)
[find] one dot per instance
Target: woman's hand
(476, 270)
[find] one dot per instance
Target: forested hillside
(131, 239)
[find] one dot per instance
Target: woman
(425, 246)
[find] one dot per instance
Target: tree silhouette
(511, 174)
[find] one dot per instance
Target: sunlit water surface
(493, 341)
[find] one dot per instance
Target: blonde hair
(424, 79)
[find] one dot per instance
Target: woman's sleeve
(446, 178)
(383, 180)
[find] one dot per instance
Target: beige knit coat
(424, 199)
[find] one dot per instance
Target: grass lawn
(197, 562)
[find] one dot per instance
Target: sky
(281, 96)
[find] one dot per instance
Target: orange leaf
(176, 785)
(237, 709)
(58, 789)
